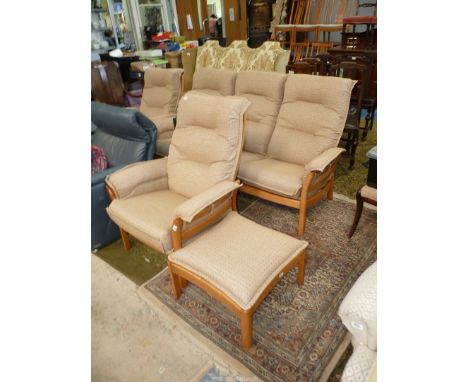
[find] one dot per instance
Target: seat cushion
(248, 157)
(206, 145)
(369, 193)
(272, 175)
(239, 257)
(265, 90)
(311, 117)
(148, 217)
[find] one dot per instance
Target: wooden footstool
(238, 262)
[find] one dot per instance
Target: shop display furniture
(107, 85)
(293, 127)
(161, 94)
(366, 194)
(238, 56)
(126, 136)
(358, 312)
(240, 275)
(199, 172)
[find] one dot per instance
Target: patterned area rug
(296, 329)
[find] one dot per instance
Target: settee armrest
(139, 178)
(323, 160)
(358, 311)
(191, 207)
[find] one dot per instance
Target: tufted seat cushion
(148, 216)
(248, 157)
(239, 257)
(311, 118)
(273, 175)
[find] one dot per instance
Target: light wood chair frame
(316, 186)
(181, 275)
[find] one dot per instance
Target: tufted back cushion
(214, 81)
(265, 91)
(161, 95)
(311, 118)
(207, 142)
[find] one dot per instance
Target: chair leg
(183, 282)
(352, 158)
(125, 239)
(246, 329)
(366, 126)
(357, 216)
(302, 217)
(301, 268)
(176, 287)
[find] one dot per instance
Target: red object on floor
(161, 37)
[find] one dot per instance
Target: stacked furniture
(327, 17)
(126, 136)
(293, 128)
(358, 312)
(236, 57)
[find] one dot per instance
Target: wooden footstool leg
(301, 268)
(357, 216)
(246, 328)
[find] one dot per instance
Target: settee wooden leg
(302, 219)
(301, 268)
(331, 185)
(125, 239)
(183, 282)
(246, 329)
(357, 215)
(176, 287)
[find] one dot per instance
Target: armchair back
(206, 143)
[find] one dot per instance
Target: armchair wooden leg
(301, 268)
(176, 287)
(125, 239)
(246, 329)
(183, 282)
(357, 216)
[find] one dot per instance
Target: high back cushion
(161, 94)
(265, 91)
(206, 144)
(311, 117)
(214, 81)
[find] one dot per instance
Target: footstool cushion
(239, 257)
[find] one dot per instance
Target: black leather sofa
(126, 136)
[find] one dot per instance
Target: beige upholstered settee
(161, 94)
(293, 127)
(358, 312)
(236, 57)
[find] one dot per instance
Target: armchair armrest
(191, 207)
(323, 160)
(139, 178)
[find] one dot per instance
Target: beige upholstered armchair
(188, 189)
(161, 94)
